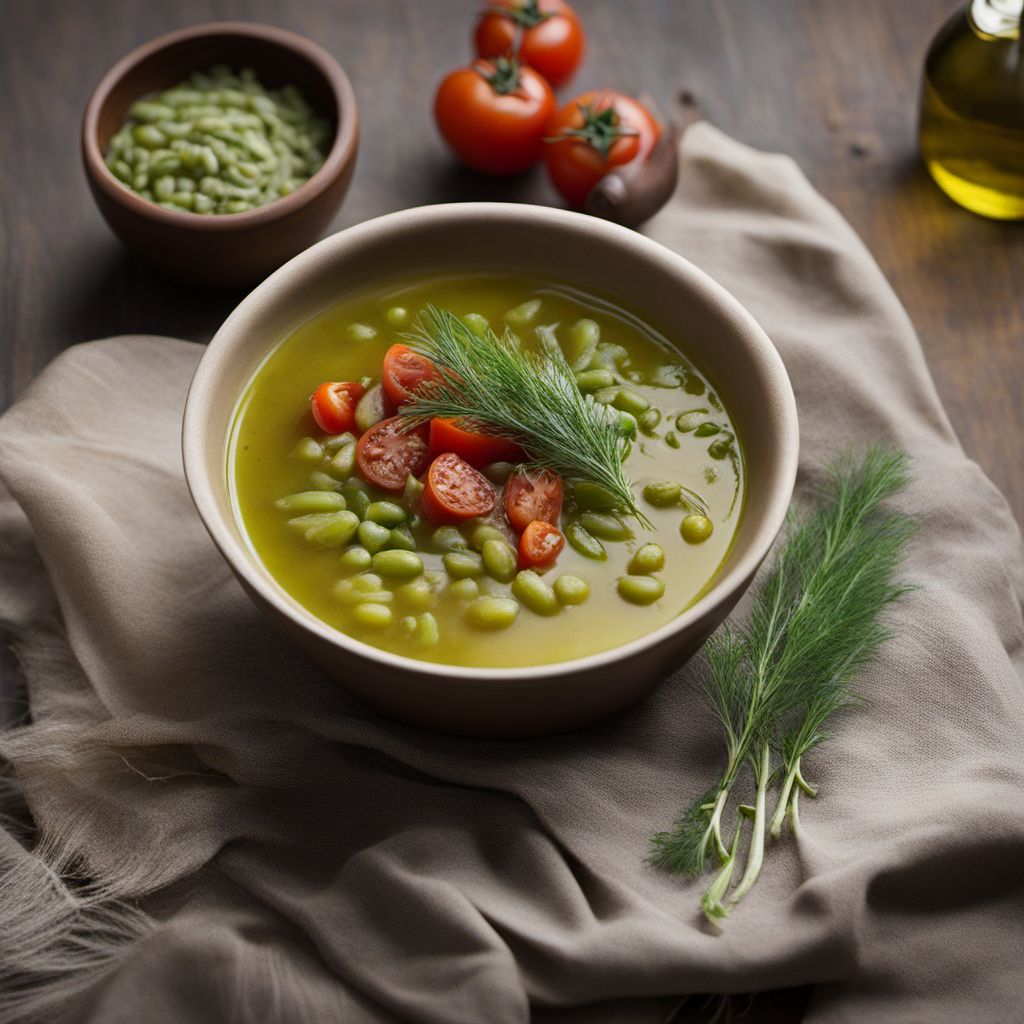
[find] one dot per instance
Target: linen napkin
(297, 858)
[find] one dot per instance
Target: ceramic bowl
(596, 255)
(225, 250)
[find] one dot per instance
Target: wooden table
(830, 82)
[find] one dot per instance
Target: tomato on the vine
(494, 115)
(594, 134)
(550, 36)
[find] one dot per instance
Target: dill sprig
(775, 683)
(531, 397)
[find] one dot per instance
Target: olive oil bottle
(972, 108)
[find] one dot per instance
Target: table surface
(832, 83)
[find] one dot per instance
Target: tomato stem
(526, 13)
(501, 74)
(600, 129)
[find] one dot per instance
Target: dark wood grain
(830, 82)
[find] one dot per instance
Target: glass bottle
(972, 108)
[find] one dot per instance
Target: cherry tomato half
(476, 448)
(388, 452)
(454, 491)
(530, 496)
(404, 371)
(494, 114)
(552, 39)
(334, 405)
(593, 134)
(540, 545)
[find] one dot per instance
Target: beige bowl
(718, 333)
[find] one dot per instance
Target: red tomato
(530, 496)
(540, 545)
(404, 371)
(493, 115)
(551, 41)
(388, 452)
(593, 134)
(454, 491)
(334, 405)
(477, 449)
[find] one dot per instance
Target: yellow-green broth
(273, 417)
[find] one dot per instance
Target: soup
(442, 538)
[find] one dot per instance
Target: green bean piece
(371, 408)
(691, 420)
(482, 533)
(499, 559)
(605, 526)
(587, 496)
(360, 332)
(328, 529)
(465, 590)
(535, 593)
(373, 536)
(640, 589)
(582, 343)
(448, 538)
(397, 316)
(571, 589)
(646, 559)
(648, 420)
(344, 461)
(427, 631)
(696, 528)
(336, 441)
(311, 501)
(387, 513)
(476, 323)
(499, 472)
(367, 586)
(402, 539)
(707, 429)
(373, 615)
(461, 564)
(663, 493)
(672, 439)
(582, 540)
(492, 613)
(356, 557)
(523, 314)
(308, 450)
(628, 400)
(417, 594)
(397, 564)
(594, 380)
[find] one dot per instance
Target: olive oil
(972, 109)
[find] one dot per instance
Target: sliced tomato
(476, 448)
(530, 496)
(454, 491)
(388, 452)
(334, 405)
(404, 372)
(540, 545)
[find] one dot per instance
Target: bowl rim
(203, 390)
(339, 156)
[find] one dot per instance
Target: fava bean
(707, 429)
(648, 421)
(427, 632)
(401, 538)
(482, 533)
(499, 559)
(582, 343)
(662, 493)
(328, 529)
(648, 558)
(691, 420)
(605, 526)
(356, 557)
(499, 472)
(465, 590)
(492, 613)
(412, 492)
(448, 538)
(672, 439)
(720, 449)
(535, 593)
(373, 536)
(523, 314)
(594, 380)
(308, 450)
(360, 332)
(366, 587)
(640, 589)
(571, 589)
(627, 424)
(372, 615)
(696, 528)
(397, 316)
(386, 513)
(631, 401)
(461, 564)
(371, 408)
(311, 501)
(582, 540)
(476, 323)
(417, 594)
(344, 461)
(336, 441)
(397, 564)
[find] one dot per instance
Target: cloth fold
(299, 858)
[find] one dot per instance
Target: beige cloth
(304, 860)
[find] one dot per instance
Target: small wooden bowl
(222, 250)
